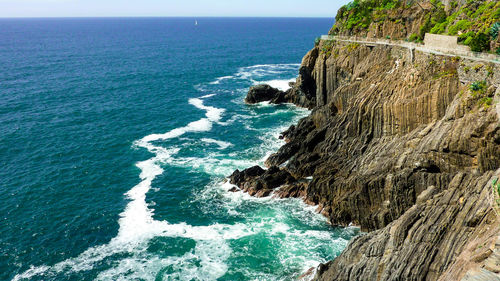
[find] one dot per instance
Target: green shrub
(477, 67)
(352, 5)
(426, 27)
(413, 37)
(478, 86)
(496, 14)
(498, 51)
(468, 40)
(439, 28)
(327, 47)
(438, 14)
(464, 36)
(490, 70)
(496, 187)
(356, 14)
(494, 30)
(486, 102)
(435, 22)
(480, 42)
(459, 26)
(316, 41)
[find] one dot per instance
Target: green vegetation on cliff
(360, 14)
(476, 23)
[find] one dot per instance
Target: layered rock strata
(402, 144)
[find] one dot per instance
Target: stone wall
(443, 42)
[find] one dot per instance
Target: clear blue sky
(169, 8)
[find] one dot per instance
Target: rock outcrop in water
(264, 92)
(404, 144)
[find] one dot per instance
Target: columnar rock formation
(402, 145)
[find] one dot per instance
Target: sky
(170, 8)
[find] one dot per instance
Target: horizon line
(111, 17)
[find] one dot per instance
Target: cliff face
(403, 144)
(387, 125)
(400, 145)
(406, 145)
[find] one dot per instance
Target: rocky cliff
(404, 144)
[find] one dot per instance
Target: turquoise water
(116, 136)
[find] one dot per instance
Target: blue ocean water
(115, 139)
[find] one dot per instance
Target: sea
(116, 139)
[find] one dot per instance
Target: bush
(459, 26)
(468, 40)
(478, 86)
(496, 15)
(439, 28)
(496, 186)
(480, 42)
(390, 4)
(465, 38)
(413, 37)
(316, 41)
(356, 14)
(426, 27)
(486, 101)
(498, 51)
(494, 30)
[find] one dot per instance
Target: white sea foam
(256, 72)
(213, 164)
(218, 80)
(282, 85)
(208, 259)
(221, 144)
(136, 223)
(207, 96)
(213, 114)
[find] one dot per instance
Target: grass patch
(495, 184)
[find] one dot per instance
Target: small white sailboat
(195, 23)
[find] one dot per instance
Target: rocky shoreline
(401, 145)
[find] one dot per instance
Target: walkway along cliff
(404, 144)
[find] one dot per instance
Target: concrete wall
(443, 42)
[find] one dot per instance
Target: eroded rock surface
(264, 92)
(399, 144)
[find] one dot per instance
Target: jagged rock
(295, 95)
(238, 178)
(264, 92)
(387, 153)
(378, 143)
(293, 190)
(420, 244)
(259, 182)
(397, 144)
